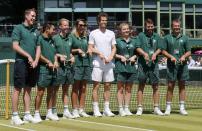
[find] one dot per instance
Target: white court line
(24, 129)
(126, 127)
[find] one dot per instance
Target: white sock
(168, 105)
(37, 112)
(139, 106)
(75, 109)
(95, 107)
(156, 106)
(95, 103)
(81, 109)
(120, 107)
(126, 106)
(66, 108)
(15, 113)
(27, 113)
(106, 105)
(182, 105)
(49, 111)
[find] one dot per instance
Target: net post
(7, 88)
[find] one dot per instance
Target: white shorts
(102, 74)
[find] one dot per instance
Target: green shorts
(148, 73)
(126, 77)
(47, 77)
(178, 72)
(65, 75)
(82, 73)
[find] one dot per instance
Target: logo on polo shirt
(85, 41)
(154, 41)
(34, 33)
(70, 43)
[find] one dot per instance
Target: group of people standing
(75, 58)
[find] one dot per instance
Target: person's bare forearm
(56, 58)
(113, 51)
(187, 54)
(44, 59)
(141, 51)
(157, 52)
(93, 50)
(166, 54)
(75, 51)
(117, 56)
(38, 53)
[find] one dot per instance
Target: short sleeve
(117, 46)
(91, 39)
(160, 44)
(187, 44)
(37, 44)
(39, 41)
(137, 42)
(38, 33)
(113, 39)
(164, 43)
(16, 34)
(55, 43)
(140, 39)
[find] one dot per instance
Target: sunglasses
(84, 25)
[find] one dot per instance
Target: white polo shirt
(103, 43)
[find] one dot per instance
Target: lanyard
(63, 46)
(128, 47)
(151, 43)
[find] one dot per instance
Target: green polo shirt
(176, 45)
(126, 49)
(47, 48)
(149, 44)
(63, 45)
(27, 38)
(80, 43)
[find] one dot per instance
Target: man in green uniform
(150, 43)
(47, 73)
(176, 48)
(24, 38)
(65, 72)
(82, 68)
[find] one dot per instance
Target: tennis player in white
(102, 44)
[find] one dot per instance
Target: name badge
(83, 54)
(127, 56)
(151, 52)
(176, 52)
(154, 41)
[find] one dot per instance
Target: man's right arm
(19, 50)
(95, 51)
(16, 37)
(165, 52)
(46, 61)
(91, 46)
